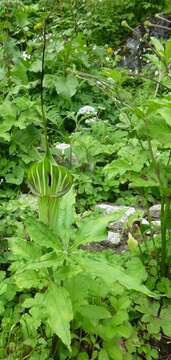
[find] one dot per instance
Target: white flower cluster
(87, 110)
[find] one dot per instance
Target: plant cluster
(57, 299)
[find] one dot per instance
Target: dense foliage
(77, 129)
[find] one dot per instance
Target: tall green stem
(44, 120)
(165, 210)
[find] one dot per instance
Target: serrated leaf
(94, 312)
(59, 312)
(41, 234)
(66, 86)
(112, 274)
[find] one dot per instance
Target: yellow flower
(38, 26)
(109, 51)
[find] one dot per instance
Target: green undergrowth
(58, 299)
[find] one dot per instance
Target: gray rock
(156, 223)
(119, 224)
(154, 211)
(144, 221)
(114, 237)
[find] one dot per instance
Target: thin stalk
(158, 26)
(163, 18)
(157, 82)
(169, 158)
(165, 209)
(44, 120)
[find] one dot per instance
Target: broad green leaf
(103, 355)
(19, 74)
(36, 66)
(24, 249)
(59, 312)
(112, 274)
(64, 217)
(8, 115)
(66, 86)
(158, 46)
(92, 230)
(160, 131)
(16, 176)
(165, 316)
(94, 312)
(166, 114)
(42, 235)
(83, 356)
(114, 351)
(30, 279)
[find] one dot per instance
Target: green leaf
(112, 274)
(59, 312)
(94, 312)
(42, 235)
(165, 323)
(168, 51)
(66, 86)
(165, 112)
(94, 229)
(15, 177)
(8, 115)
(114, 351)
(103, 355)
(160, 131)
(158, 46)
(83, 356)
(36, 66)
(64, 217)
(30, 279)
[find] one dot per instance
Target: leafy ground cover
(76, 129)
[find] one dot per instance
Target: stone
(119, 224)
(154, 211)
(156, 223)
(114, 237)
(145, 222)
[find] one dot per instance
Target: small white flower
(110, 79)
(87, 110)
(91, 121)
(63, 147)
(25, 55)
